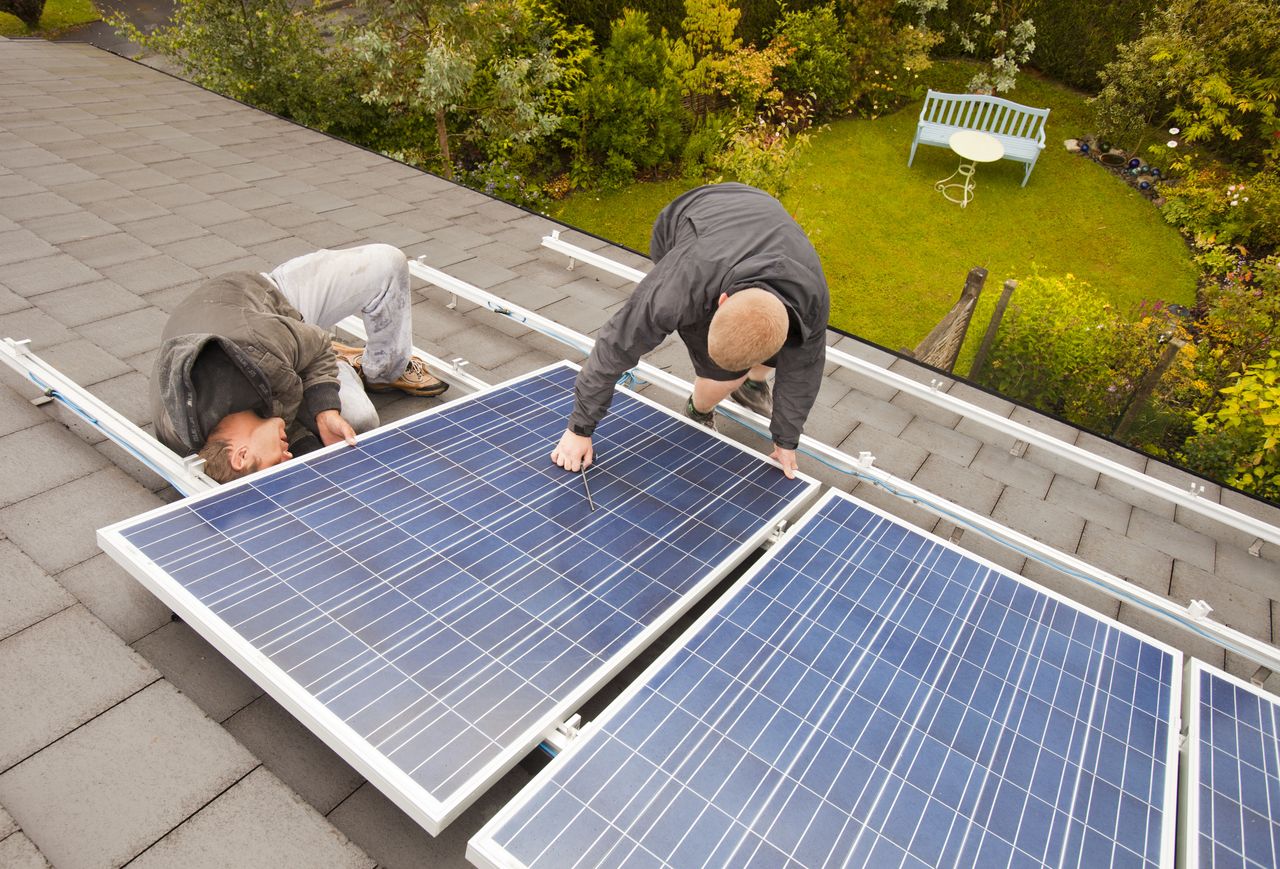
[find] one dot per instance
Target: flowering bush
(499, 178)
(1002, 32)
(1239, 442)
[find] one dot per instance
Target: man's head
(749, 327)
(242, 443)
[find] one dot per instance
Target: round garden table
(973, 147)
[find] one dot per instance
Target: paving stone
(56, 675)
(16, 410)
(11, 301)
(998, 464)
(250, 230)
(32, 205)
(1227, 528)
(393, 839)
(83, 362)
(1095, 506)
(117, 599)
(1047, 425)
(898, 457)
(107, 250)
(827, 425)
(258, 822)
(1043, 521)
(1259, 575)
(1126, 558)
(1141, 500)
(88, 302)
(215, 212)
(1067, 467)
(28, 594)
(198, 670)
(19, 245)
(151, 274)
(73, 226)
(1165, 536)
(35, 276)
(19, 852)
(295, 754)
(174, 195)
(128, 334)
(7, 824)
(327, 234)
(40, 458)
(1233, 605)
(1243, 668)
(941, 440)
(1184, 481)
(958, 484)
(57, 528)
(1121, 455)
(889, 418)
(126, 208)
(105, 792)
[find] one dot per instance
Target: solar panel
(868, 695)
(1231, 779)
(434, 600)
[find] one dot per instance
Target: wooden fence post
(942, 345)
(1146, 387)
(994, 326)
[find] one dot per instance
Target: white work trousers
(373, 281)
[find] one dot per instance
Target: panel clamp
(775, 535)
(564, 733)
(1199, 609)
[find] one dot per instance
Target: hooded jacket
(290, 364)
(712, 240)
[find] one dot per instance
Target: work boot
(708, 419)
(755, 395)
(416, 380)
(350, 355)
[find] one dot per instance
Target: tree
(491, 64)
(26, 11)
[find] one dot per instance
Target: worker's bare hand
(332, 428)
(786, 458)
(573, 453)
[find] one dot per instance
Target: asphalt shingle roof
(123, 733)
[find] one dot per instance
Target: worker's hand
(786, 458)
(333, 428)
(573, 453)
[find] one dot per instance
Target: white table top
(976, 146)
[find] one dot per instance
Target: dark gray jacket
(290, 363)
(712, 240)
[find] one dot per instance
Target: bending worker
(248, 376)
(740, 282)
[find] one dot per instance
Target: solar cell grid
(870, 697)
(442, 590)
(1232, 798)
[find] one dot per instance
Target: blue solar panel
(870, 696)
(442, 593)
(1233, 796)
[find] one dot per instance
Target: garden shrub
(1062, 348)
(629, 108)
(1239, 442)
(1211, 69)
(763, 151)
(819, 63)
(886, 56)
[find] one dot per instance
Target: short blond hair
(747, 329)
(216, 453)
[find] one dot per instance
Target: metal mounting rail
(1193, 617)
(185, 475)
(1189, 499)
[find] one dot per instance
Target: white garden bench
(1019, 128)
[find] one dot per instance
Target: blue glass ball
(1134, 163)
(1144, 169)
(1084, 147)
(1144, 185)
(1155, 173)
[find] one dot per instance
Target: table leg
(966, 185)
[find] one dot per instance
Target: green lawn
(58, 15)
(896, 253)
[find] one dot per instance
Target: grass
(896, 253)
(58, 15)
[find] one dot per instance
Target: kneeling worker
(736, 276)
(248, 376)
